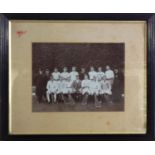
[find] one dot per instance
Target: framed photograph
(81, 76)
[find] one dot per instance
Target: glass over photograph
(76, 77)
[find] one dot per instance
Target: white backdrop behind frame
(24, 121)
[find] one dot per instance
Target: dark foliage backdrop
(50, 55)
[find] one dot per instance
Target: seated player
(61, 90)
(70, 92)
(106, 89)
(85, 89)
(52, 90)
(73, 74)
(56, 78)
(94, 90)
(77, 89)
(65, 76)
(100, 95)
(92, 73)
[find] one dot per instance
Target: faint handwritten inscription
(21, 33)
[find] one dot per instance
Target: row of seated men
(70, 87)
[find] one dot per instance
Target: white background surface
(66, 6)
(77, 148)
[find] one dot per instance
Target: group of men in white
(71, 85)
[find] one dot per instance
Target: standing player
(70, 91)
(60, 89)
(46, 76)
(65, 76)
(56, 74)
(52, 89)
(73, 74)
(94, 90)
(106, 89)
(56, 79)
(85, 89)
(45, 80)
(40, 86)
(118, 85)
(100, 73)
(92, 73)
(100, 95)
(109, 75)
(82, 73)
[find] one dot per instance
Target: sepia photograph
(77, 77)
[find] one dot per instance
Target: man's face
(116, 70)
(86, 77)
(73, 68)
(40, 72)
(107, 67)
(55, 70)
(47, 72)
(100, 69)
(65, 69)
(82, 70)
(92, 68)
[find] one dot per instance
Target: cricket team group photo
(76, 86)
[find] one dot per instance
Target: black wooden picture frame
(149, 18)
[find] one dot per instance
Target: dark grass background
(50, 55)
